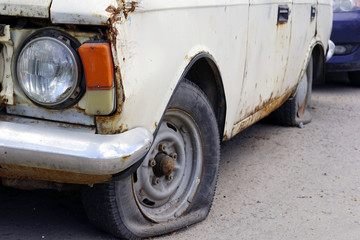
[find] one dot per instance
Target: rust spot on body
(280, 24)
(3, 101)
(112, 31)
(124, 158)
(261, 111)
(130, 9)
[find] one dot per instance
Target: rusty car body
(132, 98)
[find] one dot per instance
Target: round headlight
(48, 71)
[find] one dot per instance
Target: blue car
(346, 36)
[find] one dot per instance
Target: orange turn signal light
(98, 65)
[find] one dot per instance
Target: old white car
(131, 99)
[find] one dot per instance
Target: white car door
(268, 43)
(304, 17)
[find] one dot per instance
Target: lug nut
(173, 156)
(142, 192)
(162, 147)
(156, 181)
(169, 177)
(152, 162)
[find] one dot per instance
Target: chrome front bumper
(71, 150)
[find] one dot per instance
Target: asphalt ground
(275, 183)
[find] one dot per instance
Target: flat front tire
(174, 186)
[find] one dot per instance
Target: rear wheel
(295, 111)
(175, 185)
(354, 78)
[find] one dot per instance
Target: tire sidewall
(190, 99)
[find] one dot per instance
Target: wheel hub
(164, 165)
(165, 184)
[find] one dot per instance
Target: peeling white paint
(25, 8)
(88, 12)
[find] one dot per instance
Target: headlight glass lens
(47, 71)
(346, 5)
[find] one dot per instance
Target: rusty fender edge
(69, 150)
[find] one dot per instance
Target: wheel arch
(204, 72)
(318, 55)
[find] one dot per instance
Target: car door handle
(313, 12)
(283, 13)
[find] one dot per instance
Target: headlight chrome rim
(76, 81)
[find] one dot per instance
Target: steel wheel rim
(162, 198)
